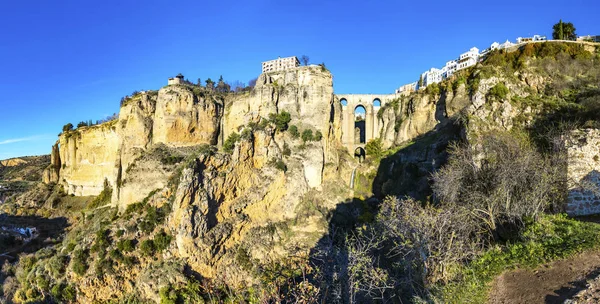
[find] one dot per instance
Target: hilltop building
(407, 88)
(176, 80)
(589, 38)
(432, 76)
(468, 59)
(529, 39)
(280, 64)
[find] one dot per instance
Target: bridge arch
(372, 125)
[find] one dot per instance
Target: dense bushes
(499, 91)
(229, 144)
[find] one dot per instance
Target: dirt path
(550, 283)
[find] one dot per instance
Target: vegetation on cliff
(433, 218)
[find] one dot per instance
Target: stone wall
(583, 173)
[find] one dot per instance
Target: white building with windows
(280, 64)
(528, 39)
(407, 88)
(468, 59)
(449, 69)
(432, 76)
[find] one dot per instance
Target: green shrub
(126, 245)
(162, 240)
(229, 144)
(294, 131)
(318, 136)
(103, 198)
(102, 240)
(286, 150)
(147, 247)
(168, 295)
(279, 164)
(68, 127)
(307, 135)
(79, 262)
(171, 159)
(433, 89)
(246, 134)
(373, 147)
(499, 91)
(280, 120)
(552, 237)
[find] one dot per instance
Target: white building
(432, 76)
(449, 69)
(528, 39)
(468, 59)
(176, 80)
(407, 88)
(589, 38)
(280, 64)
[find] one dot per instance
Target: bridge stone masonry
(355, 134)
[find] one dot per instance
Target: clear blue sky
(67, 61)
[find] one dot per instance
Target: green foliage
(294, 131)
(307, 135)
(433, 90)
(552, 237)
(397, 124)
(103, 198)
(162, 240)
(246, 134)
(171, 159)
(126, 245)
(68, 127)
(499, 91)
(318, 136)
(147, 248)
(373, 147)
(63, 292)
(280, 120)
(564, 31)
(102, 241)
(191, 293)
(229, 144)
(280, 165)
(154, 216)
(286, 150)
(79, 261)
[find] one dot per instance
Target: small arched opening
(376, 102)
(359, 124)
(344, 102)
(360, 154)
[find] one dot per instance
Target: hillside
(193, 195)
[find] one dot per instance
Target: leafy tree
(210, 84)
(307, 135)
(68, 127)
(148, 248)
(304, 59)
(294, 131)
(373, 147)
(564, 31)
(229, 144)
(280, 120)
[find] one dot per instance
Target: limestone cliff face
(306, 93)
(182, 116)
(222, 200)
(185, 119)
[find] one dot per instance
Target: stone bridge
(355, 134)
